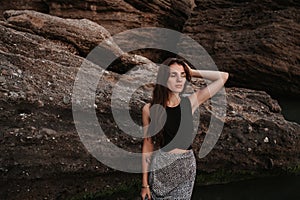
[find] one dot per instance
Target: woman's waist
(179, 151)
(176, 148)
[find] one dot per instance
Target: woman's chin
(177, 90)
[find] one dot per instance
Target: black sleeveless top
(178, 129)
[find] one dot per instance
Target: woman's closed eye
(182, 75)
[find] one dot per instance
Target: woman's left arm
(200, 96)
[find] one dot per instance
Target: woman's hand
(145, 192)
(190, 70)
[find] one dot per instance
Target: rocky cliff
(256, 41)
(42, 155)
(115, 16)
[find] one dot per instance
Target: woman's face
(177, 78)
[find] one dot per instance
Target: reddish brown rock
(257, 42)
(37, 5)
(83, 34)
(115, 16)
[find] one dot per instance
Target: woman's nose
(179, 78)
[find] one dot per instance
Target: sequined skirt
(172, 175)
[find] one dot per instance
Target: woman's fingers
(146, 194)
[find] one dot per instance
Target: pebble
(232, 112)
(40, 103)
(39, 136)
(15, 74)
(250, 128)
(48, 131)
(266, 140)
(13, 95)
(22, 95)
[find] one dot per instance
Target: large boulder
(255, 137)
(83, 35)
(118, 16)
(115, 16)
(257, 42)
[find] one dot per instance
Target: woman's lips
(178, 86)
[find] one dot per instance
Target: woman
(173, 167)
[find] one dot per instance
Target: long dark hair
(160, 96)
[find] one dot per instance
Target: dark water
(290, 107)
(272, 188)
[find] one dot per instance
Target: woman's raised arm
(200, 96)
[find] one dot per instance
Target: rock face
(115, 16)
(254, 134)
(256, 41)
(37, 74)
(42, 155)
(37, 5)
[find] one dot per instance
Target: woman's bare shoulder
(146, 108)
(146, 113)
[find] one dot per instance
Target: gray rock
(48, 131)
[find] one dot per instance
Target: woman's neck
(174, 99)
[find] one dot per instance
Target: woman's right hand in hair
(145, 192)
